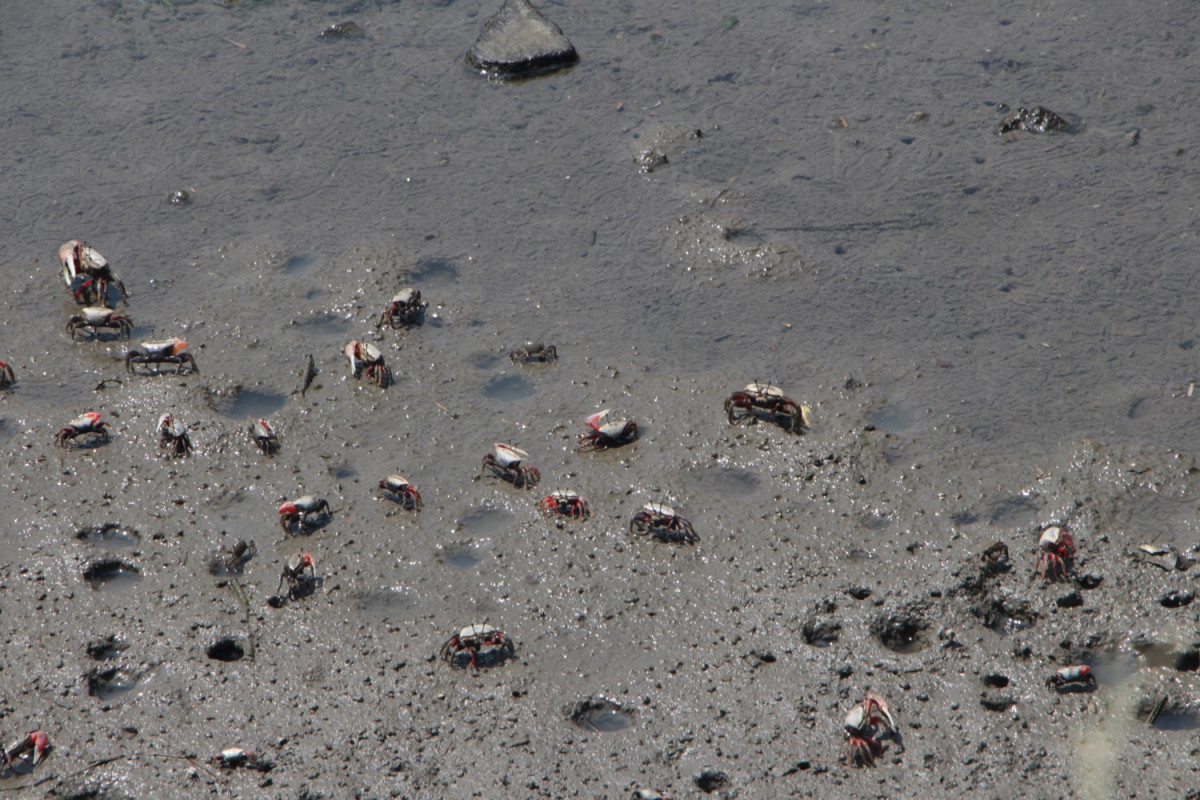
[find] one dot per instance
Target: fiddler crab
(86, 273)
(861, 725)
(295, 513)
(293, 575)
(264, 436)
(234, 757)
(366, 361)
(172, 351)
(7, 376)
(173, 436)
(605, 433)
(87, 424)
(505, 462)
(648, 794)
(399, 489)
(564, 503)
(404, 310)
(1057, 549)
(27, 752)
(663, 523)
(534, 353)
(479, 645)
(91, 319)
(763, 399)
(1072, 679)
(241, 552)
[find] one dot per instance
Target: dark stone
(518, 42)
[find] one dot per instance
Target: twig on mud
(235, 44)
(448, 411)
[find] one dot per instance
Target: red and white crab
(482, 644)
(1057, 548)
(86, 273)
(1078, 678)
(764, 399)
(565, 503)
(505, 461)
(30, 749)
(91, 318)
(173, 436)
(7, 377)
(296, 513)
(403, 492)
(264, 436)
(87, 424)
(172, 351)
(605, 433)
(663, 523)
(366, 361)
(861, 726)
(405, 309)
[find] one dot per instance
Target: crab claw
(594, 420)
(39, 741)
(877, 703)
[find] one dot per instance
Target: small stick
(235, 44)
(448, 411)
(306, 376)
(1191, 388)
(1158, 707)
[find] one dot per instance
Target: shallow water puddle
(252, 404)
(600, 716)
(892, 418)
(111, 684)
(460, 555)
(485, 522)
(727, 482)
(509, 388)
(299, 264)
(434, 272)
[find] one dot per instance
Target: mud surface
(995, 333)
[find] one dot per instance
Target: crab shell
(96, 315)
(394, 483)
(1051, 538)
(86, 421)
(77, 257)
(170, 347)
(658, 509)
(611, 430)
(263, 430)
(297, 563)
(757, 389)
(405, 296)
(508, 456)
(478, 630)
(306, 504)
(1074, 674)
(564, 496)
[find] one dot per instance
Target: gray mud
(994, 333)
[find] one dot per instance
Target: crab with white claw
(87, 274)
(483, 645)
(7, 376)
(505, 461)
(861, 725)
(296, 513)
(91, 319)
(28, 750)
(404, 310)
(765, 400)
(1057, 548)
(264, 436)
(399, 489)
(604, 433)
(1072, 679)
(565, 503)
(366, 361)
(534, 353)
(663, 523)
(172, 351)
(293, 575)
(87, 424)
(173, 436)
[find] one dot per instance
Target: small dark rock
(343, 30)
(1038, 119)
(710, 780)
(179, 197)
(859, 592)
(1177, 599)
(518, 42)
(996, 701)
(1071, 600)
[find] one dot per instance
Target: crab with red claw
(534, 353)
(861, 726)
(479, 645)
(604, 433)
(234, 757)
(769, 402)
(405, 309)
(565, 503)
(87, 274)
(1072, 679)
(7, 376)
(399, 489)
(366, 361)
(172, 351)
(87, 424)
(264, 436)
(663, 524)
(506, 461)
(173, 436)
(91, 319)
(293, 575)
(294, 514)
(27, 752)
(1057, 549)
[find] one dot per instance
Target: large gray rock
(519, 42)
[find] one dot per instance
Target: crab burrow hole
(106, 649)
(227, 648)
(600, 715)
(111, 683)
(109, 534)
(111, 575)
(900, 631)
